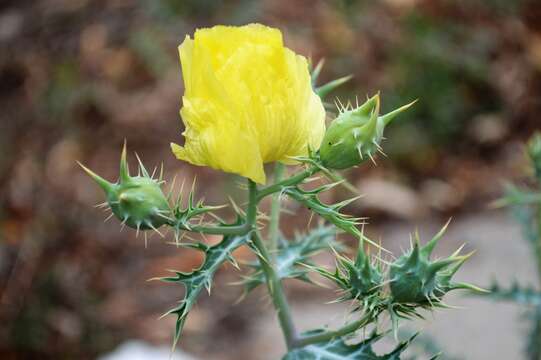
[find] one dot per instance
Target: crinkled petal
(248, 101)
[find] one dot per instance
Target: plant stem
(294, 180)
(214, 230)
(538, 244)
(273, 282)
(274, 224)
(329, 335)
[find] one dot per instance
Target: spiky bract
(418, 280)
(360, 279)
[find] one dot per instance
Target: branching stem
(329, 335)
(294, 180)
(274, 284)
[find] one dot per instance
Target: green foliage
(292, 256)
(526, 208)
(331, 213)
(411, 283)
(516, 293)
(194, 282)
(339, 349)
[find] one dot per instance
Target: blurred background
(77, 77)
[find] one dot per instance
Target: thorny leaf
(331, 213)
(337, 349)
(201, 278)
(292, 254)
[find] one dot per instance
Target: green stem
(538, 245)
(213, 230)
(274, 224)
(273, 281)
(294, 180)
(329, 335)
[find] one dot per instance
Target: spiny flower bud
(137, 201)
(415, 279)
(355, 135)
(360, 279)
(534, 152)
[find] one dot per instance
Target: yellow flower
(248, 101)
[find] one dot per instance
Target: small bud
(415, 279)
(534, 152)
(360, 279)
(137, 201)
(355, 135)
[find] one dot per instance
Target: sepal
(324, 90)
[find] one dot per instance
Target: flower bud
(137, 201)
(415, 279)
(355, 135)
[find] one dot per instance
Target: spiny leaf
(193, 211)
(291, 254)
(329, 213)
(517, 196)
(329, 87)
(516, 293)
(201, 278)
(337, 349)
(526, 217)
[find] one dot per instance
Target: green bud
(137, 201)
(415, 279)
(355, 135)
(534, 152)
(360, 279)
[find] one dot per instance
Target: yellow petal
(248, 101)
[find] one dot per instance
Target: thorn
(372, 159)
(341, 108)
(172, 187)
(123, 223)
(360, 151)
(124, 168)
(429, 247)
(179, 196)
(390, 116)
(142, 168)
(149, 224)
(104, 184)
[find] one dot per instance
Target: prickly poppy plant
(525, 204)
(249, 100)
